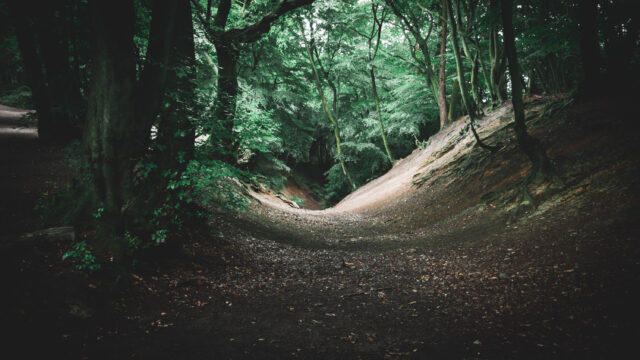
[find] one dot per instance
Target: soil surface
(440, 258)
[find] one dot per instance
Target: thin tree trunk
(455, 99)
(336, 129)
(474, 58)
(377, 26)
(442, 97)
(421, 41)
(497, 61)
(463, 86)
(377, 100)
(529, 145)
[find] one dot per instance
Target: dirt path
(441, 271)
(446, 270)
(29, 171)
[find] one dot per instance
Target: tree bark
(226, 98)
(529, 145)
(461, 81)
(110, 137)
(62, 84)
(226, 43)
(33, 67)
(421, 42)
(376, 32)
(455, 99)
(176, 132)
(377, 101)
(497, 62)
(153, 80)
(442, 98)
(336, 128)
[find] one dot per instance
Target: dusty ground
(433, 260)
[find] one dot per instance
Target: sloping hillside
(454, 187)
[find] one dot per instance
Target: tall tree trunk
(153, 82)
(377, 100)
(33, 67)
(226, 97)
(176, 132)
(376, 32)
(110, 136)
(589, 48)
(442, 97)
(461, 82)
(476, 104)
(226, 43)
(529, 145)
(421, 43)
(336, 128)
(497, 62)
(64, 91)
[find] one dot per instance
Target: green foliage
(82, 256)
(254, 127)
(19, 97)
(280, 125)
(213, 182)
(273, 170)
(298, 200)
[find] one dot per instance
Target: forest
(357, 179)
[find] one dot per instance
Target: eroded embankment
(454, 192)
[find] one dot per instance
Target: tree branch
(253, 32)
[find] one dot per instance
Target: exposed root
(482, 144)
(525, 198)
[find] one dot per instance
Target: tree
(442, 96)
(372, 51)
(412, 22)
(227, 43)
(122, 111)
(310, 45)
(471, 109)
(45, 52)
(541, 166)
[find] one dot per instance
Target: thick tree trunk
(176, 131)
(442, 96)
(226, 43)
(62, 85)
(529, 145)
(226, 98)
(154, 78)
(110, 137)
(33, 67)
